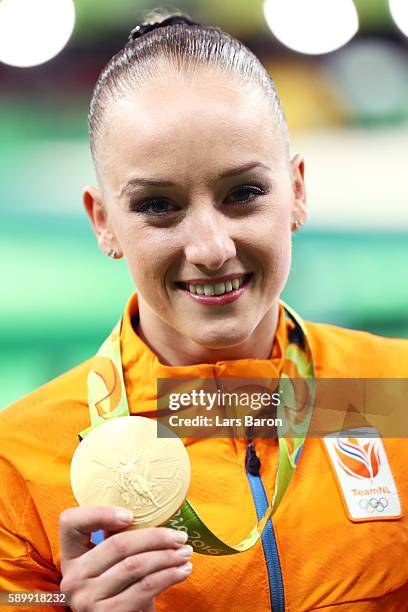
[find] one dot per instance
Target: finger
(151, 607)
(141, 593)
(126, 544)
(135, 568)
(76, 525)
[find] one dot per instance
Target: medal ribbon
(107, 399)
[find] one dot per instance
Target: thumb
(150, 608)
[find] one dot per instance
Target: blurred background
(342, 72)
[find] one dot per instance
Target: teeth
(209, 290)
(218, 288)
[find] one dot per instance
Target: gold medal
(123, 462)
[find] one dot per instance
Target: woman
(198, 193)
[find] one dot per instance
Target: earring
(111, 253)
(297, 224)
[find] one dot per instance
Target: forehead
(189, 129)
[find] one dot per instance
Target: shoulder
(48, 400)
(340, 352)
(36, 429)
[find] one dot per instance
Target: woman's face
(196, 186)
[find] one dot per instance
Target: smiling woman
(210, 216)
(204, 212)
(197, 191)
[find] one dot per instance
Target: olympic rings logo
(373, 504)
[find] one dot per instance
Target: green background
(61, 296)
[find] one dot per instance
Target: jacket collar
(141, 366)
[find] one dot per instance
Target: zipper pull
(252, 462)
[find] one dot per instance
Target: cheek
(284, 259)
(279, 259)
(148, 256)
(274, 245)
(281, 240)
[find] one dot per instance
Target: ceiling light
(34, 31)
(312, 26)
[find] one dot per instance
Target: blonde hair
(182, 48)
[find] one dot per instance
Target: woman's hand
(126, 571)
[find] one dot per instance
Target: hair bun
(143, 28)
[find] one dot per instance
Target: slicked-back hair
(177, 51)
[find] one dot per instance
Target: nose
(209, 243)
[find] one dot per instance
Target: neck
(174, 349)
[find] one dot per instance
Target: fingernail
(180, 537)
(185, 551)
(124, 515)
(186, 568)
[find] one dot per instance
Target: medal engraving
(133, 469)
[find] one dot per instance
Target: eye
(153, 206)
(245, 193)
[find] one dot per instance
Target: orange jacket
(327, 562)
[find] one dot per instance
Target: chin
(221, 338)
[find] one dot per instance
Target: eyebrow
(136, 182)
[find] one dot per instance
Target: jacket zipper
(276, 590)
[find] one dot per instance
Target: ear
(299, 211)
(96, 211)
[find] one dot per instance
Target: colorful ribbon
(107, 399)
